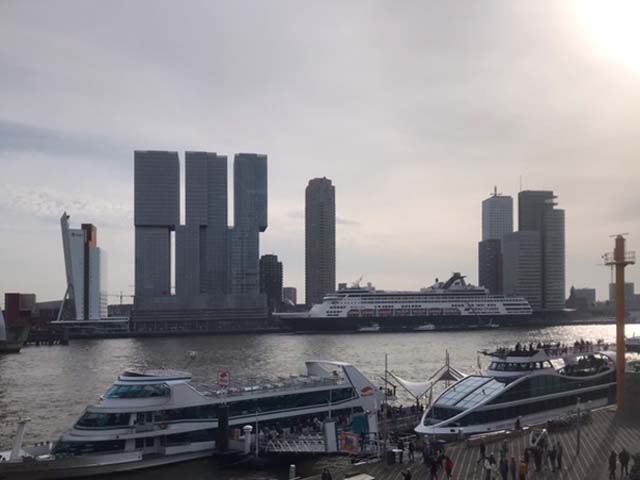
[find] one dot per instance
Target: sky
(414, 110)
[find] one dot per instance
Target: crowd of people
(553, 348)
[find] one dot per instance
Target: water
(53, 385)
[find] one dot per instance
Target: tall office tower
(497, 216)
(320, 240)
(490, 265)
(156, 213)
(271, 281)
(629, 295)
(201, 246)
(537, 212)
(290, 295)
(85, 298)
(497, 221)
(250, 218)
(522, 266)
(553, 295)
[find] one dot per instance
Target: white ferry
(528, 385)
(157, 417)
(453, 304)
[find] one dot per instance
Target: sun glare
(614, 27)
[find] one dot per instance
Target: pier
(604, 433)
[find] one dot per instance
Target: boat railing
(295, 383)
(549, 350)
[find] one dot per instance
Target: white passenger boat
(529, 384)
(157, 417)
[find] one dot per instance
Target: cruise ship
(154, 418)
(528, 385)
(453, 304)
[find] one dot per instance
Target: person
(412, 449)
(433, 470)
(552, 457)
(448, 466)
(504, 468)
(504, 449)
(612, 465)
(624, 457)
(523, 469)
(483, 452)
(559, 455)
(406, 475)
(513, 469)
(326, 475)
(518, 425)
(486, 465)
(401, 448)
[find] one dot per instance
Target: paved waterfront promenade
(606, 432)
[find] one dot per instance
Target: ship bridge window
(460, 390)
(82, 448)
(138, 391)
(103, 420)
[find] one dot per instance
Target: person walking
(504, 450)
(552, 457)
(483, 452)
(433, 471)
(504, 468)
(412, 450)
(448, 466)
(486, 466)
(624, 458)
(513, 469)
(400, 445)
(406, 475)
(523, 470)
(559, 455)
(612, 465)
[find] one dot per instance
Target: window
(138, 391)
(188, 413)
(207, 435)
(292, 401)
(103, 420)
(83, 448)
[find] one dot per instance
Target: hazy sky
(414, 109)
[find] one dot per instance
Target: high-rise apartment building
(156, 214)
(201, 244)
(497, 221)
(85, 297)
(320, 239)
(271, 281)
(250, 218)
(553, 254)
(290, 295)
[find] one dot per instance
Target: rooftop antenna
(495, 191)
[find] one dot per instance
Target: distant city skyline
(416, 127)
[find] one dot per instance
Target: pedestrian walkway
(598, 438)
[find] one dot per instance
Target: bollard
(247, 429)
(292, 471)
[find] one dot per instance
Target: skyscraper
(522, 266)
(290, 295)
(497, 216)
(85, 297)
(539, 223)
(156, 213)
(497, 221)
(271, 281)
(250, 218)
(320, 239)
(201, 244)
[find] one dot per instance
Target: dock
(605, 432)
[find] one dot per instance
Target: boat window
(103, 420)
(138, 391)
(83, 448)
(188, 413)
(480, 394)
(208, 435)
(460, 390)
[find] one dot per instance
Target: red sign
(223, 378)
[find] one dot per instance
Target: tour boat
(157, 417)
(530, 384)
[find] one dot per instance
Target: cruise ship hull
(398, 324)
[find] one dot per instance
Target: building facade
(271, 281)
(156, 214)
(629, 295)
(320, 240)
(290, 295)
(85, 297)
(497, 217)
(490, 265)
(250, 219)
(522, 266)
